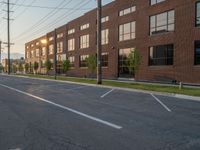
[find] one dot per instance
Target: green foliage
(92, 63)
(1, 67)
(48, 65)
(20, 67)
(14, 69)
(36, 66)
(134, 59)
(66, 65)
(26, 67)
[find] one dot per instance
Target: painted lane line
(65, 108)
(159, 101)
(104, 95)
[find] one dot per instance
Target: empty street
(48, 115)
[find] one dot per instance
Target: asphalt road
(48, 115)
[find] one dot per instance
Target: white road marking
(104, 95)
(65, 108)
(159, 101)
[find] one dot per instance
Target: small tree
(20, 67)
(35, 66)
(134, 61)
(14, 68)
(65, 65)
(91, 62)
(48, 65)
(26, 67)
(1, 68)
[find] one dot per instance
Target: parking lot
(41, 114)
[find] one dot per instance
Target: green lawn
(141, 86)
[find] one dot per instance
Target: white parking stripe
(107, 93)
(159, 101)
(65, 108)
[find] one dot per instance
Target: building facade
(165, 32)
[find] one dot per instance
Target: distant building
(166, 33)
(16, 65)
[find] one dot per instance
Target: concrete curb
(179, 96)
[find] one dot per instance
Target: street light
(43, 41)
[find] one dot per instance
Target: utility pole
(55, 54)
(8, 32)
(8, 20)
(0, 51)
(99, 69)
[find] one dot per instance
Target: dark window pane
(197, 53)
(161, 55)
(198, 14)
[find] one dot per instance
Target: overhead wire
(58, 19)
(43, 19)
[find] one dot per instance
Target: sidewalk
(176, 95)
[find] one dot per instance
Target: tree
(65, 65)
(48, 65)
(91, 62)
(134, 61)
(20, 67)
(1, 68)
(14, 68)
(36, 66)
(26, 67)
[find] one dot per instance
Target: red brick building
(165, 32)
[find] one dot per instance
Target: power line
(45, 7)
(42, 20)
(15, 10)
(22, 12)
(54, 22)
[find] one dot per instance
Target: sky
(32, 22)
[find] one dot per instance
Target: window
(50, 38)
(37, 54)
(27, 55)
(37, 43)
(84, 41)
(32, 53)
(71, 44)
(127, 31)
(51, 48)
(163, 22)
(83, 62)
(85, 26)
(104, 59)
(71, 60)
(198, 14)
(60, 35)
(71, 31)
(124, 62)
(197, 53)
(43, 63)
(161, 55)
(43, 51)
(60, 47)
(127, 11)
(104, 19)
(59, 58)
(153, 2)
(104, 36)
(32, 45)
